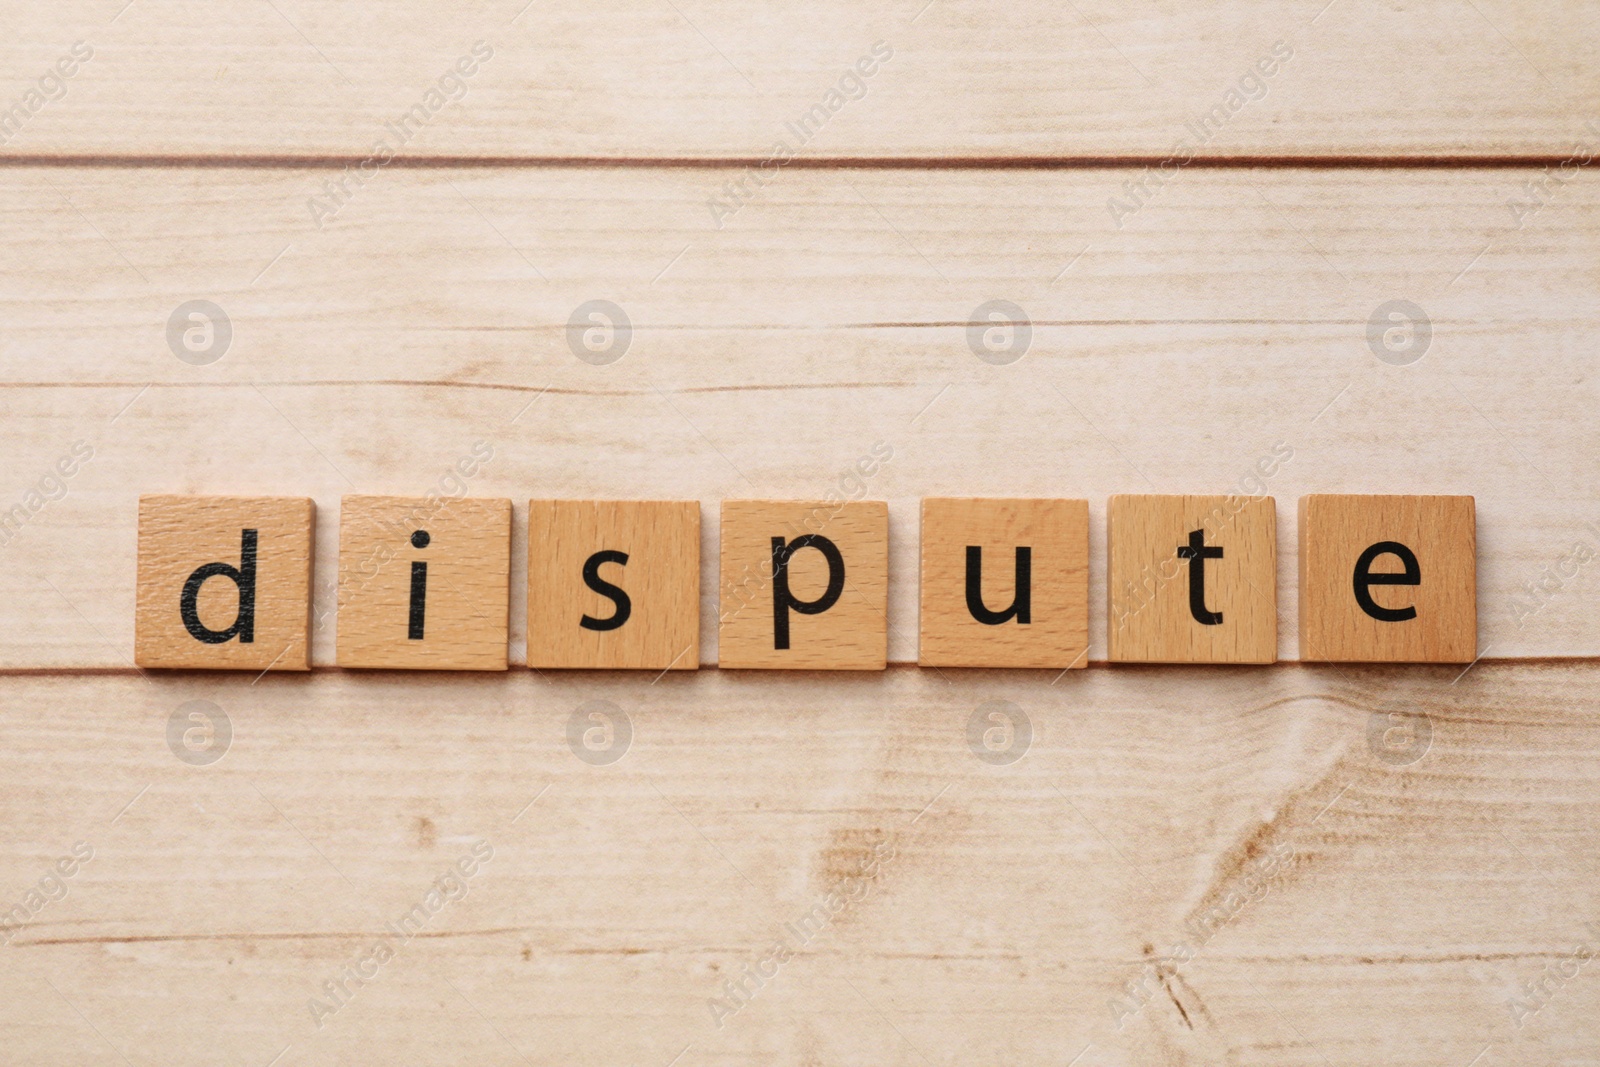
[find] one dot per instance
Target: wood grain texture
(719, 78)
(424, 582)
(1192, 579)
(1431, 871)
(371, 357)
(658, 572)
(578, 280)
(804, 585)
(1436, 583)
(253, 605)
(1045, 599)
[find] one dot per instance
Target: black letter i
(419, 588)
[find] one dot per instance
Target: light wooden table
(1279, 866)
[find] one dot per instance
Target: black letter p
(783, 600)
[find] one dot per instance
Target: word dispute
(224, 582)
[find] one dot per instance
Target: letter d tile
(224, 583)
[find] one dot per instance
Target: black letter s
(592, 579)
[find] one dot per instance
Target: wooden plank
(1221, 341)
(718, 78)
(1340, 877)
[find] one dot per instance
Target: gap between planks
(223, 161)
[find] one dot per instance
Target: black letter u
(1020, 600)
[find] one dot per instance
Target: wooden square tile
(824, 605)
(424, 583)
(1005, 583)
(1390, 579)
(1192, 579)
(224, 583)
(614, 584)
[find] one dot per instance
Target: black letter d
(243, 576)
